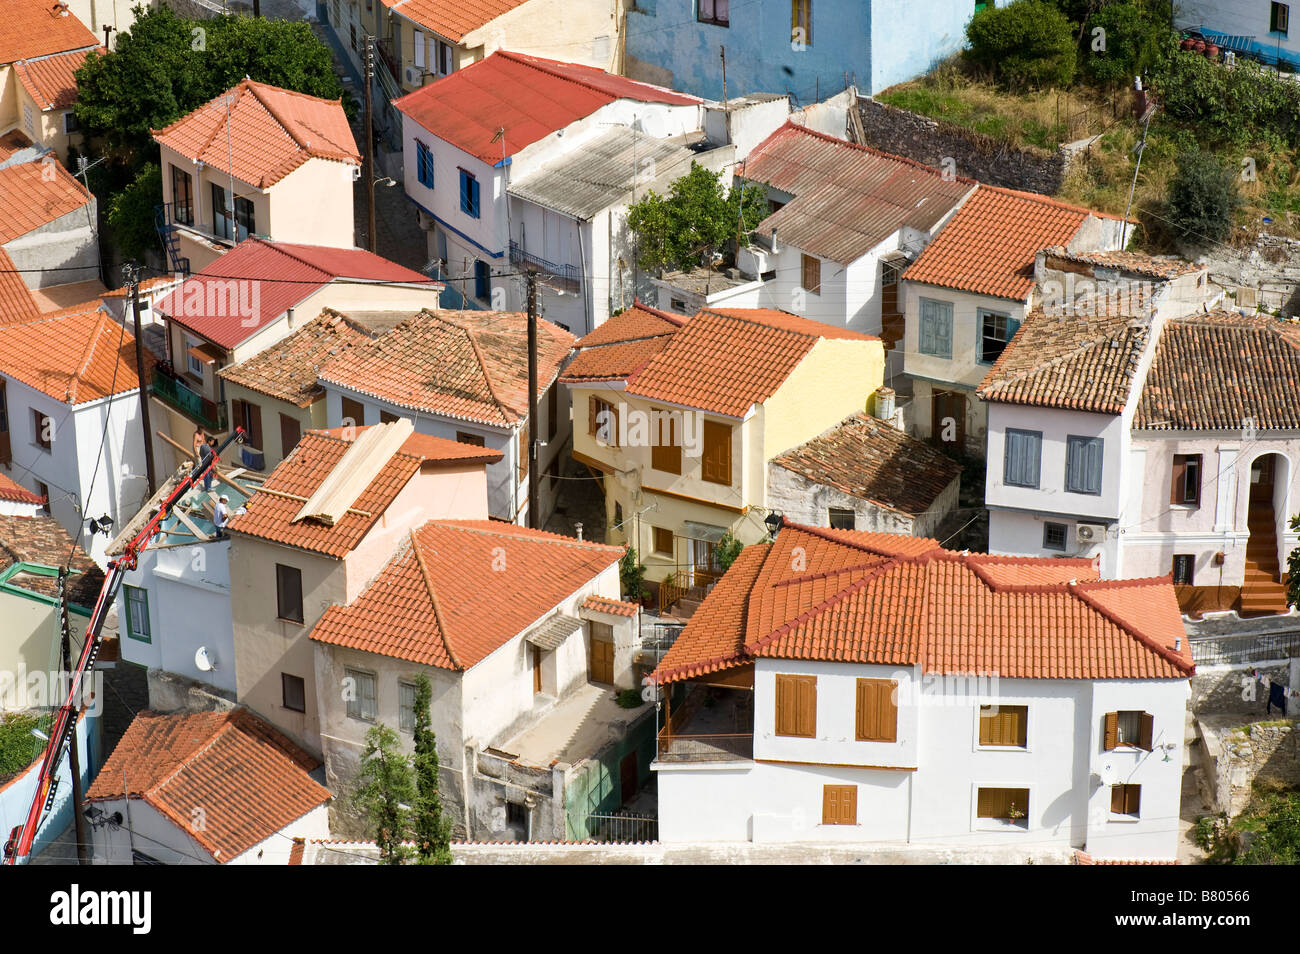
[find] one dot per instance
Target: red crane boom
(19, 844)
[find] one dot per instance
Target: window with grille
(1054, 536)
(840, 518)
(1184, 570)
(1004, 725)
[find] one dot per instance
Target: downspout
(582, 277)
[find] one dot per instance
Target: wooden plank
(180, 515)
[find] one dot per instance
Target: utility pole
(78, 809)
(132, 274)
(370, 145)
(257, 8)
(533, 503)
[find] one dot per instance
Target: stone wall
(971, 154)
(1241, 754)
(1271, 265)
(1219, 689)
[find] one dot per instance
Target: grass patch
(18, 747)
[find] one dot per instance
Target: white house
(836, 711)
(204, 788)
(522, 636)
(845, 221)
(469, 136)
(968, 292)
(71, 432)
(463, 376)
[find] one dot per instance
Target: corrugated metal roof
(847, 198)
(553, 632)
(601, 173)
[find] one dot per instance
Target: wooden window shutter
(593, 409)
(785, 699)
(553, 411)
(1117, 798)
(808, 706)
(989, 803)
(877, 716)
(290, 434)
(1132, 799)
(830, 804)
(254, 412)
(716, 465)
(1176, 490)
(523, 451)
(1147, 731)
(796, 706)
(237, 415)
(1111, 738)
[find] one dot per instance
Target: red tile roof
(41, 540)
(1162, 267)
(273, 131)
(471, 365)
(438, 603)
(622, 345)
(15, 492)
(452, 19)
(529, 96)
(847, 198)
(1082, 361)
(430, 449)
(50, 80)
(33, 194)
(280, 275)
(248, 778)
(16, 301)
(726, 360)
(74, 357)
(1218, 371)
(989, 245)
(873, 461)
(271, 511)
(603, 604)
(29, 28)
(878, 598)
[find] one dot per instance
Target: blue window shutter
(473, 188)
(1023, 451)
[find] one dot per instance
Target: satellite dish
(203, 660)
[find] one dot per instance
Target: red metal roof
(529, 96)
(268, 279)
(854, 597)
(847, 198)
(273, 132)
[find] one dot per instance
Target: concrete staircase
(1261, 592)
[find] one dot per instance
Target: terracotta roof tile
(274, 277)
(15, 492)
(870, 598)
(248, 778)
(50, 81)
(287, 370)
(1221, 371)
(603, 604)
(876, 462)
(32, 197)
(41, 540)
(29, 28)
(273, 131)
(847, 198)
(726, 360)
(990, 244)
(16, 302)
(453, 18)
(439, 603)
(1082, 361)
(471, 365)
(634, 324)
(73, 357)
(430, 449)
(1162, 267)
(529, 96)
(271, 511)
(622, 345)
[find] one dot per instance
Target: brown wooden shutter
(830, 804)
(1147, 731)
(1132, 799)
(839, 804)
(593, 408)
(290, 434)
(812, 274)
(1117, 799)
(254, 412)
(716, 465)
(1180, 479)
(523, 451)
(796, 706)
(877, 715)
(237, 415)
(1111, 738)
(988, 803)
(784, 690)
(808, 707)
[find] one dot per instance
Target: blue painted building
(873, 43)
(1258, 28)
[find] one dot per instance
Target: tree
(1293, 570)
(165, 66)
(728, 548)
(630, 574)
(1028, 44)
(1203, 198)
(697, 218)
(386, 793)
(1130, 44)
(431, 829)
(131, 212)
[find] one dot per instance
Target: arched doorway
(1262, 589)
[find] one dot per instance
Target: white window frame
(996, 824)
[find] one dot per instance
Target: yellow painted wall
(9, 112)
(313, 205)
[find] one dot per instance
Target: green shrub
(1203, 198)
(1028, 44)
(629, 698)
(131, 212)
(18, 747)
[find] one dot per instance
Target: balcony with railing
(175, 393)
(712, 724)
(566, 277)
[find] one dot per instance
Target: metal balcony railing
(176, 393)
(733, 747)
(565, 276)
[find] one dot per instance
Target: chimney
(290, 317)
(578, 529)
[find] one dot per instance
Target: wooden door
(627, 778)
(537, 669)
(290, 434)
(6, 453)
(892, 323)
(1261, 480)
(948, 420)
(602, 661)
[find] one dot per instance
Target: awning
(702, 531)
(207, 353)
(554, 631)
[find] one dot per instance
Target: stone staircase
(1262, 593)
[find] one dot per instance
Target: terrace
(710, 723)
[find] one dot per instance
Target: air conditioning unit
(1089, 532)
(413, 75)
